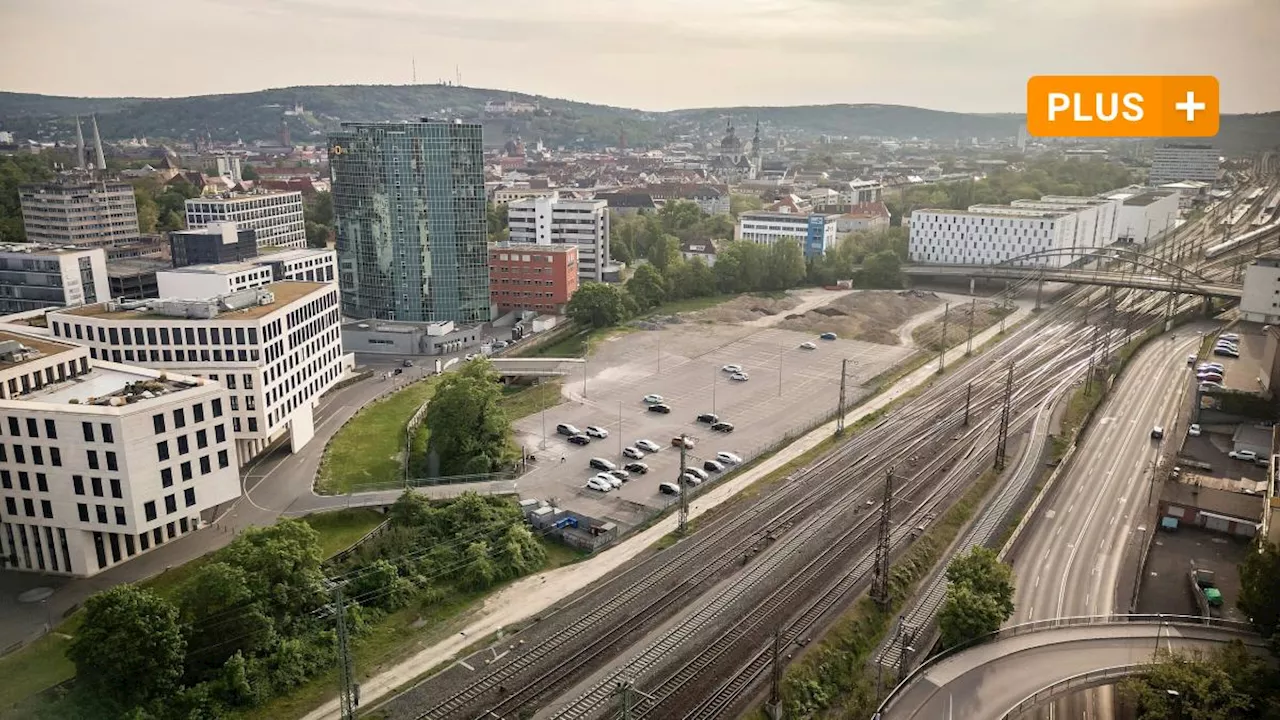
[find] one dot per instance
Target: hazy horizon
(947, 55)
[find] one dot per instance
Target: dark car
(638, 468)
(660, 408)
(709, 418)
(579, 439)
(601, 464)
(724, 427)
(828, 336)
(712, 466)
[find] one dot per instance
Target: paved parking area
(1166, 586)
(683, 364)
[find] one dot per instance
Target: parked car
(724, 427)
(601, 464)
(596, 483)
(731, 369)
(1210, 386)
(1157, 432)
(667, 488)
(500, 344)
(1194, 430)
(709, 418)
(807, 345)
(660, 408)
(648, 445)
(1244, 455)
(692, 480)
(621, 474)
(567, 429)
(1229, 336)
(579, 439)
(653, 399)
(740, 377)
(688, 442)
(712, 466)
(828, 336)
(1211, 366)
(1225, 352)
(633, 453)
(615, 482)
(698, 473)
(407, 363)
(638, 468)
(597, 432)
(728, 458)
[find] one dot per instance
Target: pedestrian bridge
(1024, 666)
(537, 367)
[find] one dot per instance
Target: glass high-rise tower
(409, 210)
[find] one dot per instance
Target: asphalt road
(1077, 557)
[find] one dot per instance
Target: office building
(1260, 298)
(275, 348)
(79, 211)
(218, 242)
(275, 217)
(815, 232)
(990, 236)
(410, 215)
(34, 276)
(1174, 162)
(540, 278)
(306, 265)
(206, 281)
(557, 221)
(101, 462)
(1144, 214)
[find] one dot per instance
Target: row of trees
(469, 431)
(257, 621)
(979, 597)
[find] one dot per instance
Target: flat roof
(531, 247)
(1146, 198)
(217, 268)
(46, 348)
(1241, 374)
(43, 249)
(286, 291)
(1005, 211)
(272, 253)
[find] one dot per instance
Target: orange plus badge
(1122, 106)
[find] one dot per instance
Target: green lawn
(524, 400)
(368, 450)
(339, 530)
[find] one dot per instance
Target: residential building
(1260, 298)
(710, 199)
(1175, 162)
(275, 348)
(275, 218)
(79, 211)
(35, 276)
(815, 232)
(410, 214)
(989, 236)
(706, 251)
(872, 216)
(555, 221)
(628, 203)
(101, 462)
(218, 242)
(532, 277)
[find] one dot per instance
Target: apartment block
(816, 232)
(541, 278)
(1176, 162)
(79, 211)
(275, 217)
(275, 348)
(34, 276)
(101, 462)
(558, 221)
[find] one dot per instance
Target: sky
(960, 55)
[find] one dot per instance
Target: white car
(596, 483)
(808, 345)
(633, 453)
(732, 369)
(1244, 455)
(1194, 430)
(653, 399)
(740, 377)
(648, 445)
(728, 458)
(614, 481)
(698, 473)
(596, 431)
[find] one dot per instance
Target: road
(1078, 554)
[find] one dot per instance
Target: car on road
(633, 453)
(688, 442)
(614, 482)
(596, 431)
(653, 399)
(828, 336)
(709, 418)
(638, 468)
(808, 345)
(698, 473)
(621, 474)
(660, 408)
(724, 427)
(567, 429)
(731, 369)
(1191, 359)
(648, 445)
(601, 464)
(1243, 455)
(667, 488)
(740, 377)
(1194, 430)
(407, 363)
(1157, 432)
(712, 466)
(728, 458)
(596, 483)
(579, 439)
(500, 344)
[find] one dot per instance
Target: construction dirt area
(961, 319)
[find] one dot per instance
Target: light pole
(715, 377)
(619, 428)
(779, 368)
(543, 446)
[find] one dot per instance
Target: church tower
(757, 153)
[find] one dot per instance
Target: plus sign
(1190, 106)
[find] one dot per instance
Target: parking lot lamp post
(584, 377)
(619, 428)
(779, 367)
(714, 377)
(543, 446)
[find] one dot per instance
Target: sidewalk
(534, 594)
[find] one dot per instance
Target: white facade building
(815, 232)
(1174, 162)
(276, 349)
(989, 236)
(1144, 214)
(101, 462)
(305, 265)
(275, 217)
(34, 276)
(1095, 217)
(554, 221)
(206, 281)
(79, 211)
(1260, 301)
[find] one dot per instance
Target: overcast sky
(964, 55)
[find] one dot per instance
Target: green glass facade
(409, 212)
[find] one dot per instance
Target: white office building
(205, 281)
(276, 348)
(554, 220)
(1144, 214)
(276, 217)
(815, 232)
(101, 462)
(990, 236)
(79, 211)
(1095, 216)
(1174, 162)
(34, 276)
(1260, 300)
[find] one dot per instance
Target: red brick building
(524, 276)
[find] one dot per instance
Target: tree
(148, 212)
(172, 221)
(220, 617)
(317, 235)
(882, 270)
(1260, 587)
(281, 565)
(739, 204)
(967, 615)
(981, 570)
(786, 267)
(519, 552)
(380, 585)
(647, 286)
(1225, 684)
(597, 305)
(468, 429)
(248, 173)
(478, 572)
(320, 208)
(129, 649)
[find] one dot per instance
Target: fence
(350, 549)
(1075, 683)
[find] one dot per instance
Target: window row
(183, 442)
(125, 336)
(20, 454)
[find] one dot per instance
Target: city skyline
(964, 57)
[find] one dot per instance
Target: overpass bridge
(1024, 666)
(537, 367)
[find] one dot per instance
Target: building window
(115, 488)
(197, 412)
(223, 460)
(220, 433)
(149, 508)
(102, 513)
(42, 482)
(183, 445)
(120, 516)
(29, 506)
(190, 496)
(162, 450)
(46, 509)
(55, 457)
(77, 484)
(205, 468)
(170, 504)
(179, 418)
(157, 421)
(83, 510)
(186, 470)
(93, 459)
(50, 430)
(216, 404)
(111, 462)
(166, 477)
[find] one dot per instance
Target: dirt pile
(872, 316)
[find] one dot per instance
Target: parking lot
(789, 390)
(1166, 585)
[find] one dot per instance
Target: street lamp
(715, 377)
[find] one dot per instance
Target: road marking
(464, 664)
(1037, 581)
(1072, 507)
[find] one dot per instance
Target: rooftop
(1004, 211)
(229, 268)
(1145, 199)
(43, 249)
(534, 247)
(285, 292)
(109, 386)
(43, 348)
(278, 254)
